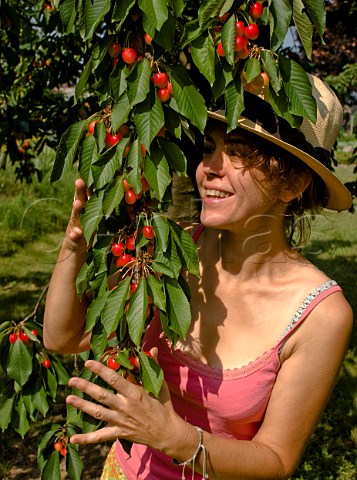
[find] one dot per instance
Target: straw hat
(311, 143)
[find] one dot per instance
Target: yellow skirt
(111, 469)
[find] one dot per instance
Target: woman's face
(232, 194)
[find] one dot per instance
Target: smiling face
(232, 193)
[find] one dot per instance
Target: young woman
(244, 391)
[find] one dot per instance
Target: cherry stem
(34, 312)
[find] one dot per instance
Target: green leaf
(117, 82)
(82, 281)
(6, 412)
(155, 290)
(177, 307)
(67, 150)
(317, 12)
(280, 13)
(203, 55)
(68, 13)
(51, 382)
(303, 25)
(122, 9)
(228, 39)
(169, 262)
(95, 310)
(120, 111)
(271, 68)
(155, 10)
(19, 363)
(99, 340)
(149, 118)
(108, 164)
(189, 101)
(94, 13)
(298, 89)
(186, 247)
(113, 196)
(114, 307)
(21, 423)
(209, 9)
(88, 155)
(280, 104)
(162, 231)
(82, 82)
(40, 399)
(92, 215)
(61, 372)
(136, 315)
(151, 374)
(139, 82)
(234, 103)
(191, 31)
(166, 36)
(74, 463)
(174, 155)
(252, 69)
(51, 470)
(157, 172)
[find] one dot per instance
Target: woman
(245, 390)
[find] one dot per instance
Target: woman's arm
(65, 313)
(314, 355)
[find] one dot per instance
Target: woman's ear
(296, 187)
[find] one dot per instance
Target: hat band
(261, 112)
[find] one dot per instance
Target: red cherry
(123, 129)
(142, 150)
(118, 249)
(111, 140)
(58, 446)
(265, 79)
(34, 332)
(163, 94)
(251, 31)
(24, 337)
(113, 364)
(91, 127)
(126, 185)
(115, 61)
(131, 379)
(13, 337)
(129, 55)
(148, 353)
(148, 232)
(126, 151)
(220, 50)
(147, 39)
(134, 362)
(46, 363)
(114, 49)
(244, 53)
(240, 28)
(240, 43)
(63, 452)
(122, 260)
(133, 287)
(144, 184)
(169, 88)
(256, 10)
(161, 79)
(130, 243)
(130, 197)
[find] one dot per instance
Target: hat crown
(324, 132)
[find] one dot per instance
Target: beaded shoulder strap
(197, 232)
(315, 297)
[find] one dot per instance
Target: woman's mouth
(211, 193)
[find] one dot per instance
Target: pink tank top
(229, 403)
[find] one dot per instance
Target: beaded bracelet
(193, 458)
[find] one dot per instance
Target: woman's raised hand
(74, 238)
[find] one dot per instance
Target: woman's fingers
(113, 379)
(104, 434)
(95, 391)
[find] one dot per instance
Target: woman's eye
(208, 148)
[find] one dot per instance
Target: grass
(31, 228)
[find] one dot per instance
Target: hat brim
(340, 197)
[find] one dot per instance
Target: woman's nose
(214, 163)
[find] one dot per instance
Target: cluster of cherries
(164, 86)
(131, 374)
(60, 445)
(244, 33)
(22, 336)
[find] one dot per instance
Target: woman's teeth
(217, 193)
